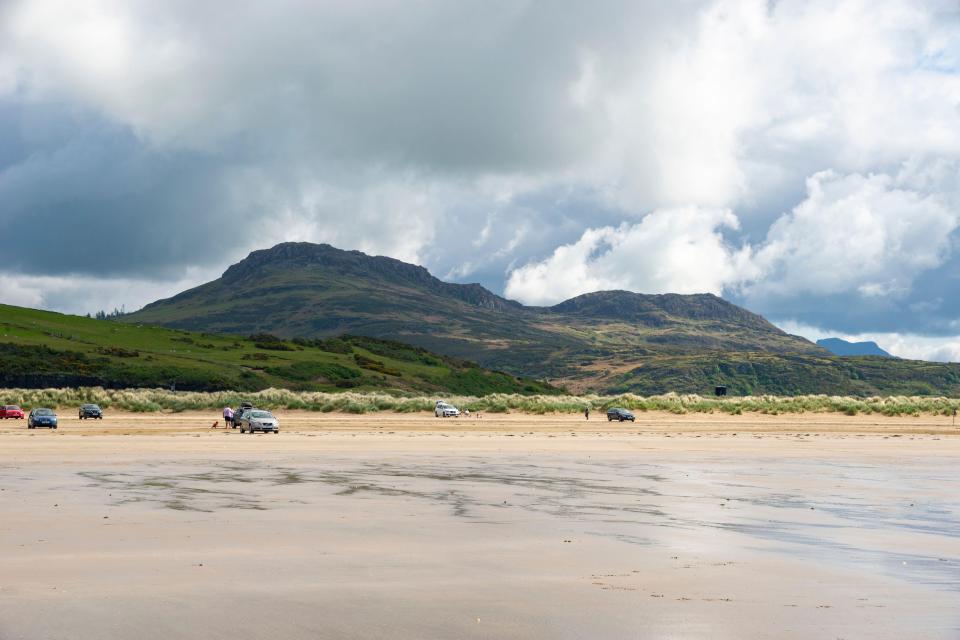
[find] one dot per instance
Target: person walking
(228, 417)
(586, 413)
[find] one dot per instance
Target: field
(45, 349)
(155, 526)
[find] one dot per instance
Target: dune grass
(154, 400)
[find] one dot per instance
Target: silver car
(444, 410)
(258, 420)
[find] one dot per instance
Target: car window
(260, 414)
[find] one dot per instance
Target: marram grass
(152, 400)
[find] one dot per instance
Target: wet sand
(405, 526)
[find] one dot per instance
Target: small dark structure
(720, 390)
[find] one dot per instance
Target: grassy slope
(764, 373)
(41, 348)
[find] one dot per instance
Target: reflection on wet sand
(621, 499)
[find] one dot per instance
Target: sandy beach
(406, 526)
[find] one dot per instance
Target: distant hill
(589, 342)
(45, 349)
(608, 341)
(840, 347)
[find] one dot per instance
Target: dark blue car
(90, 411)
(42, 418)
(619, 414)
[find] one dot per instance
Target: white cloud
(854, 233)
(79, 294)
(21, 292)
(678, 251)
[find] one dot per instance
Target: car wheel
(621, 419)
(242, 430)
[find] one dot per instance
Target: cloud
(99, 204)
(83, 294)
(502, 144)
(854, 234)
(863, 236)
(676, 251)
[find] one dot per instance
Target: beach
(506, 526)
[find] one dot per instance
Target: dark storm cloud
(99, 202)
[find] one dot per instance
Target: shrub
(270, 342)
(146, 400)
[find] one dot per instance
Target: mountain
(45, 349)
(840, 347)
(309, 290)
(608, 341)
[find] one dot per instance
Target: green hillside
(788, 375)
(45, 349)
(587, 343)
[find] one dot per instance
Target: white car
(444, 410)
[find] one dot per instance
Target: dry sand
(405, 526)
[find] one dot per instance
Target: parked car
(90, 411)
(42, 418)
(238, 414)
(11, 411)
(444, 410)
(619, 414)
(258, 420)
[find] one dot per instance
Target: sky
(799, 158)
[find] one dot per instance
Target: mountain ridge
(599, 341)
(844, 348)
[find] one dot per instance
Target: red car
(11, 411)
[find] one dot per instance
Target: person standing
(228, 417)
(586, 413)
